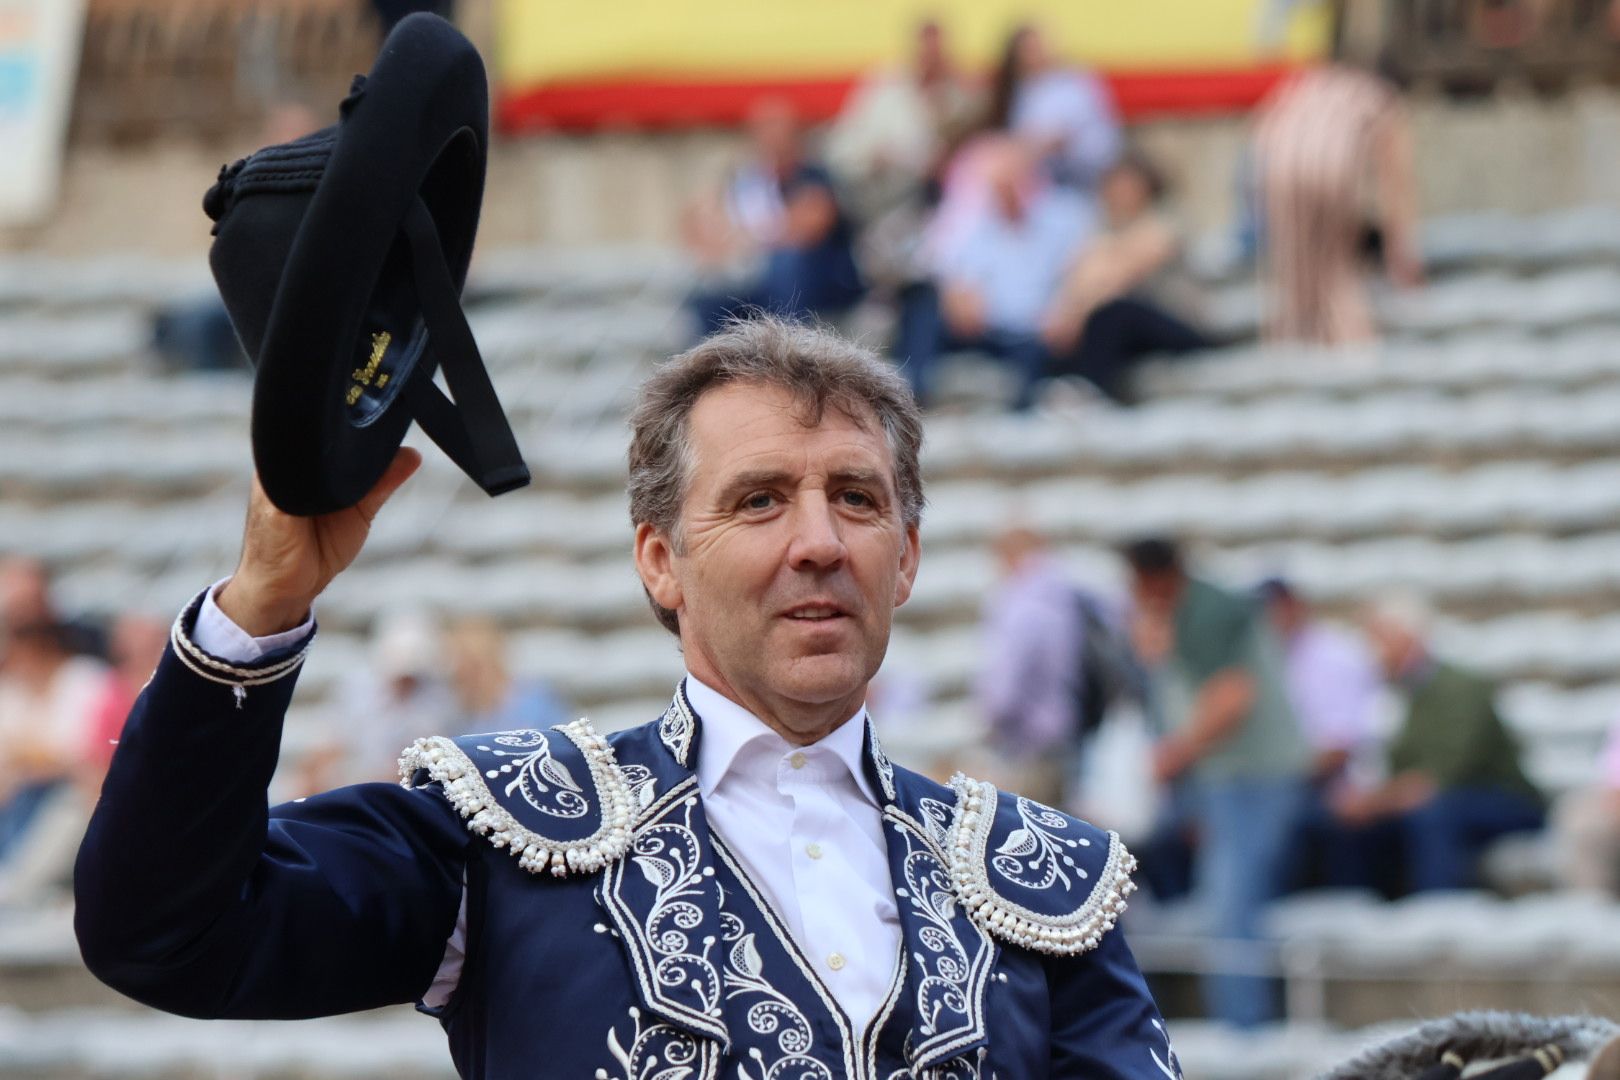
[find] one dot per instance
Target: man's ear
(655, 563)
(910, 557)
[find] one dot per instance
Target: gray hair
(818, 367)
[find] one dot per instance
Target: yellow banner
(550, 41)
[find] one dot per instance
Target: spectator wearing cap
(1235, 745)
(1455, 778)
(402, 696)
(1129, 296)
(779, 214)
(1335, 689)
(998, 275)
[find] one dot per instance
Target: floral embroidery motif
(1029, 856)
(1033, 856)
(937, 821)
(677, 726)
(677, 969)
(545, 783)
(642, 784)
(464, 787)
(1170, 1065)
(774, 1015)
(885, 769)
(950, 983)
(659, 1052)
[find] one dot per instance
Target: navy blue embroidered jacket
(610, 934)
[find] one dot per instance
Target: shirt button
(813, 850)
(836, 961)
(797, 760)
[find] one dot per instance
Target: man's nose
(817, 543)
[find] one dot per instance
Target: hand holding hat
(288, 560)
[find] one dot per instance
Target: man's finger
(406, 461)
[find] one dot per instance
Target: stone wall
(1511, 153)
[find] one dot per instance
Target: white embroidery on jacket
(1025, 860)
(464, 787)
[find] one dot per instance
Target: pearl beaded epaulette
(1062, 934)
(464, 787)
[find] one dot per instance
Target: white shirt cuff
(218, 636)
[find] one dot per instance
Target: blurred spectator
(403, 697)
(1333, 683)
(778, 209)
(1334, 687)
(1066, 113)
(136, 645)
(889, 142)
(997, 285)
(1586, 824)
(1234, 743)
(489, 699)
(1029, 676)
(47, 699)
(1455, 779)
(1316, 137)
(1130, 295)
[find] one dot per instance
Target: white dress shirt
(803, 822)
(807, 828)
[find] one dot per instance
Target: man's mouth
(816, 613)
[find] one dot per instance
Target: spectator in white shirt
(1066, 112)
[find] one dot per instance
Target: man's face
(792, 556)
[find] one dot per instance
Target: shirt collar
(729, 730)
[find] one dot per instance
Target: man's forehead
(746, 423)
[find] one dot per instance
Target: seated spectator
(401, 697)
(135, 646)
(998, 280)
(889, 143)
(777, 210)
(487, 697)
(1066, 113)
(47, 699)
(1235, 749)
(1334, 687)
(1586, 827)
(1455, 781)
(1129, 296)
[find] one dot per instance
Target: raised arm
(192, 895)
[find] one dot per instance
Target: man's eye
(857, 498)
(762, 500)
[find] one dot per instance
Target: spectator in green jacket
(1455, 782)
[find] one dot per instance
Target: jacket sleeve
(1105, 1025)
(195, 898)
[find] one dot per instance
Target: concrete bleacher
(1470, 457)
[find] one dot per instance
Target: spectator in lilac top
(1065, 112)
(1031, 629)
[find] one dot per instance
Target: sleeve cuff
(217, 635)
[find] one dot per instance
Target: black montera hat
(341, 257)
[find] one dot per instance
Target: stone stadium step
(72, 1044)
(1471, 361)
